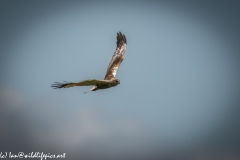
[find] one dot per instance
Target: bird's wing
(118, 56)
(88, 82)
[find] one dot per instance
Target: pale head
(116, 81)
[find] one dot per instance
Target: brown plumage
(110, 79)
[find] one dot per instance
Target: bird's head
(117, 81)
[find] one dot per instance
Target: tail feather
(90, 89)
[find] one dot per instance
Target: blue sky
(179, 78)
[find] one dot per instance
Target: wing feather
(117, 57)
(89, 82)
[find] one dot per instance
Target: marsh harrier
(110, 79)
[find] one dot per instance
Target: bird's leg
(95, 87)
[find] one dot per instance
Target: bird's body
(109, 84)
(110, 79)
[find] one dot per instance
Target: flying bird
(110, 79)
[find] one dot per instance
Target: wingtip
(57, 85)
(121, 38)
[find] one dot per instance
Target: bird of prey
(110, 79)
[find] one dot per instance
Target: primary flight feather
(110, 79)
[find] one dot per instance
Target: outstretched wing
(88, 82)
(118, 56)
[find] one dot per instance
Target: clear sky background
(179, 91)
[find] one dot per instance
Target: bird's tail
(92, 89)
